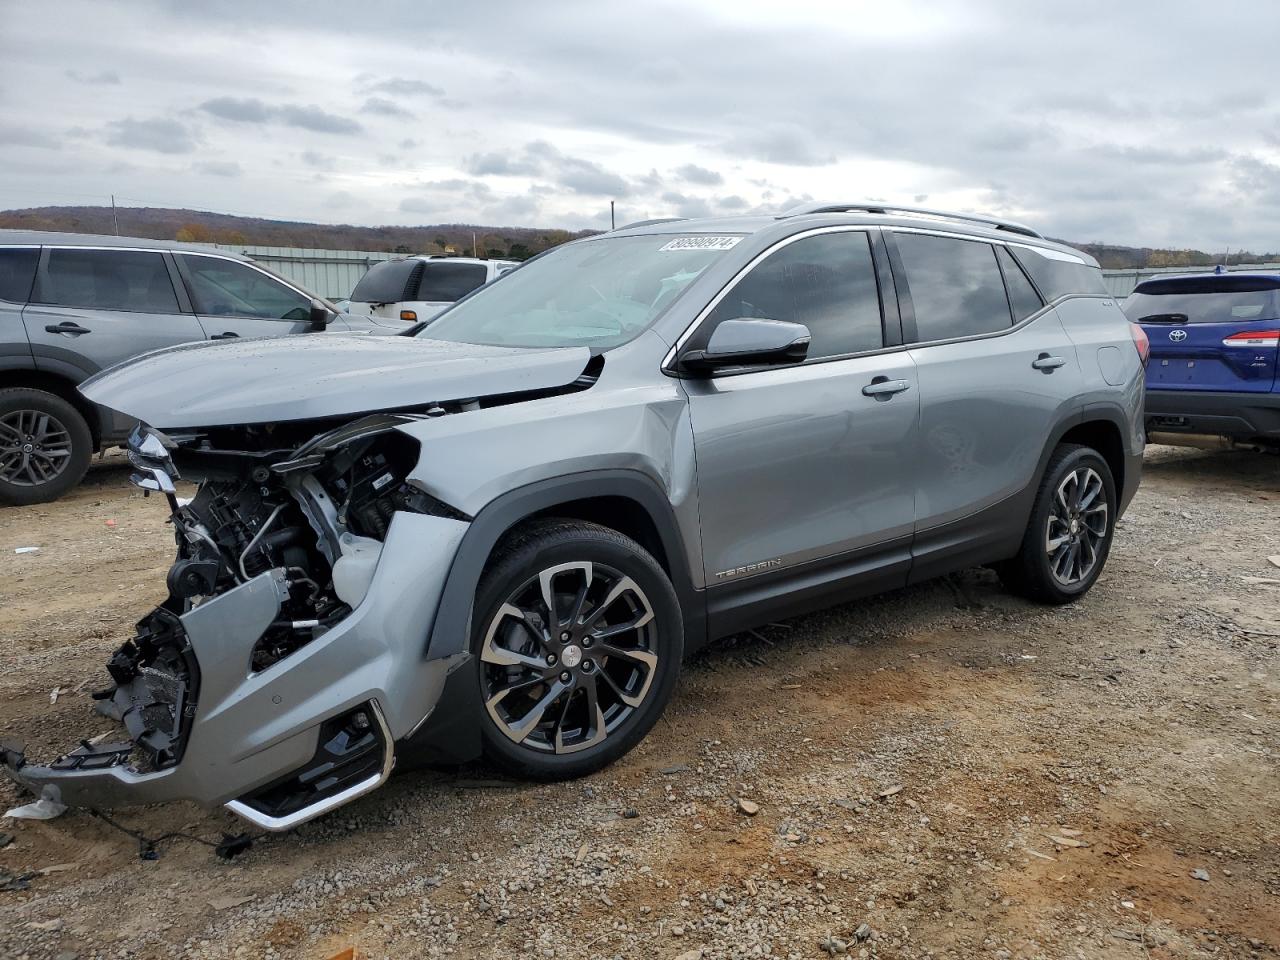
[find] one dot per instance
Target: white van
(417, 288)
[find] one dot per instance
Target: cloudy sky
(1154, 123)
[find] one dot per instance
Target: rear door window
(228, 288)
(826, 281)
(955, 286)
(1022, 295)
(17, 272)
(446, 282)
(130, 280)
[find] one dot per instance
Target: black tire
(1035, 573)
(23, 482)
(558, 752)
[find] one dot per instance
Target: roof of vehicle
(445, 258)
(45, 238)
(1268, 277)
(888, 215)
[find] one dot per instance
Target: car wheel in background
(578, 638)
(1069, 535)
(45, 446)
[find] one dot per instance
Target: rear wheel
(1068, 538)
(578, 638)
(45, 446)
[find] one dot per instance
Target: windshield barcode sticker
(701, 243)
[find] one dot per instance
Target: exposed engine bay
(314, 513)
(263, 682)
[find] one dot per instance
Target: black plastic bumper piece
(351, 750)
(1242, 416)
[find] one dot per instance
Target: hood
(275, 379)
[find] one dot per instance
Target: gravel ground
(944, 771)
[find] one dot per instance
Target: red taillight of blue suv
(1253, 338)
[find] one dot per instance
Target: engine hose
(258, 536)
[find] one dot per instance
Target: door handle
(227, 335)
(67, 327)
(1047, 363)
(882, 388)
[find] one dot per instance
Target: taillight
(1253, 338)
(1142, 342)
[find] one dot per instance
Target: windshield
(595, 293)
(1204, 300)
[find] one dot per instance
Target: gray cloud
(317, 160)
(101, 78)
(693, 173)
(383, 107)
(159, 134)
(12, 135)
(253, 110)
(398, 86)
(219, 168)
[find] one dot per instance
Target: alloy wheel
(569, 657)
(35, 447)
(1077, 526)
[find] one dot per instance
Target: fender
(450, 632)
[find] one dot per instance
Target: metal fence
(330, 273)
(1122, 282)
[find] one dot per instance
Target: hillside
(201, 226)
(517, 242)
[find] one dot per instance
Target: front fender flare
(451, 629)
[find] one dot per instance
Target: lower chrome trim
(276, 824)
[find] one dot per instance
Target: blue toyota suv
(1214, 341)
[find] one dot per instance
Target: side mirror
(749, 342)
(321, 315)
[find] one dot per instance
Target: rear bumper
(1238, 415)
(250, 732)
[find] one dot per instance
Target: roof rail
(650, 223)
(887, 209)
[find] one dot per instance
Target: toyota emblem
(1177, 336)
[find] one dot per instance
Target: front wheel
(1069, 535)
(578, 636)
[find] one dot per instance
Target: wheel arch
(60, 386)
(1103, 435)
(627, 501)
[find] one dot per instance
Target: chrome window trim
(668, 361)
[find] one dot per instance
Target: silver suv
(502, 535)
(72, 305)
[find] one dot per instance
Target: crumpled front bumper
(251, 729)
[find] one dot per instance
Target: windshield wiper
(1178, 318)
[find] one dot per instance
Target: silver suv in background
(503, 533)
(415, 289)
(72, 305)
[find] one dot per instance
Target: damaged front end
(290, 653)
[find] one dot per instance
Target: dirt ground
(944, 771)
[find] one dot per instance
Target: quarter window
(955, 285)
(17, 271)
(1022, 295)
(227, 288)
(826, 281)
(107, 280)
